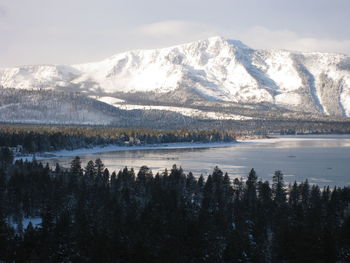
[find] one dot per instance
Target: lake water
(323, 160)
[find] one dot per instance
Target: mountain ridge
(215, 69)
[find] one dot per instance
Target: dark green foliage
(90, 215)
(6, 157)
(39, 138)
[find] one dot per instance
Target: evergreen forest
(87, 213)
(41, 138)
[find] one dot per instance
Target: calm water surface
(324, 160)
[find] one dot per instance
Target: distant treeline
(91, 215)
(38, 138)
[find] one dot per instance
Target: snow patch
(288, 99)
(189, 112)
(108, 100)
(216, 68)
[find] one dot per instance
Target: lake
(323, 159)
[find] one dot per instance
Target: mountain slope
(211, 70)
(53, 107)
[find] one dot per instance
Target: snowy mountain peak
(213, 69)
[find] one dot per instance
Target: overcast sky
(76, 31)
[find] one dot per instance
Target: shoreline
(178, 145)
(118, 148)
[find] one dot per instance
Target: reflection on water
(324, 160)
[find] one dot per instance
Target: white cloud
(61, 45)
(2, 12)
(178, 31)
(172, 32)
(260, 37)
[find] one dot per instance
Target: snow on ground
(281, 69)
(116, 148)
(217, 68)
(181, 145)
(288, 99)
(36, 222)
(108, 100)
(289, 138)
(189, 112)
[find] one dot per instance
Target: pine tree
(90, 173)
(250, 195)
(294, 195)
(278, 191)
(106, 177)
(305, 194)
(58, 168)
(6, 234)
(75, 167)
(99, 166)
(2, 191)
(6, 157)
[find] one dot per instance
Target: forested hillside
(39, 138)
(88, 214)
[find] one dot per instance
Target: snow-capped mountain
(212, 70)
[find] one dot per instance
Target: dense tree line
(38, 138)
(91, 215)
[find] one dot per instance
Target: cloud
(175, 31)
(178, 31)
(61, 45)
(2, 12)
(263, 38)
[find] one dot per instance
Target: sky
(78, 31)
